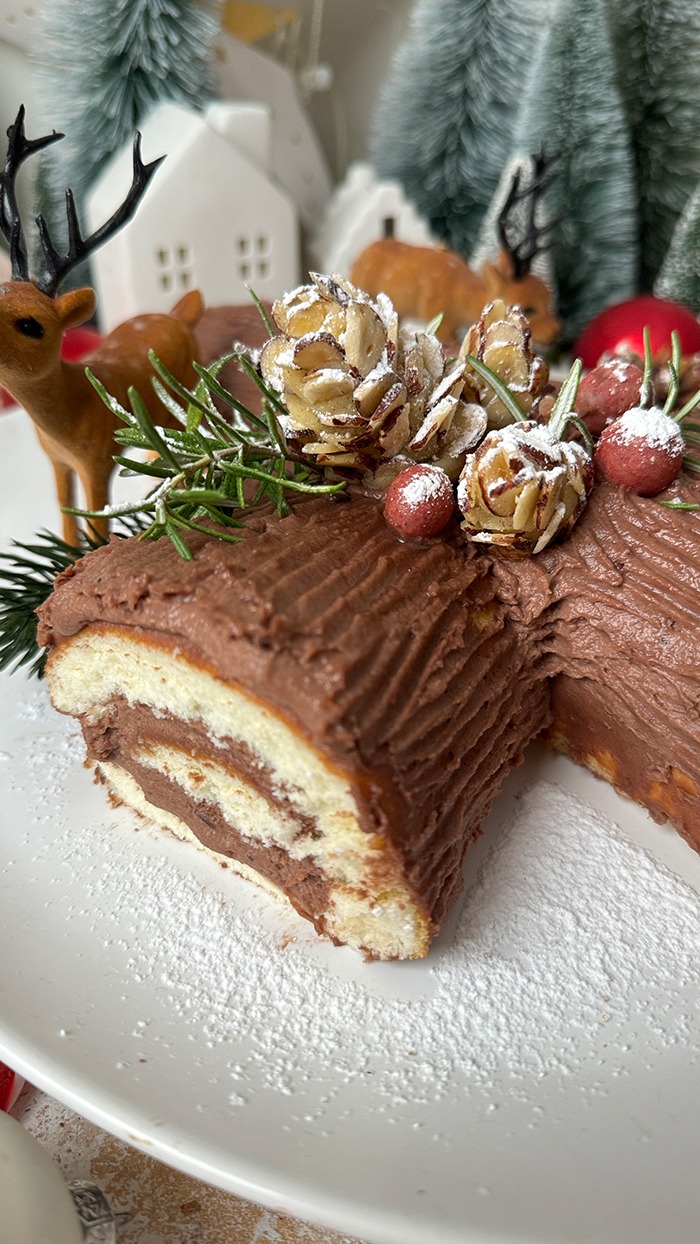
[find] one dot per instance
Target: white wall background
(358, 38)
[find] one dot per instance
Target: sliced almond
(394, 398)
(364, 338)
(275, 356)
(372, 389)
(317, 350)
(327, 384)
(395, 432)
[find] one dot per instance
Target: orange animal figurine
(425, 281)
(74, 426)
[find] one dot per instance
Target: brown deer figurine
(74, 426)
(424, 281)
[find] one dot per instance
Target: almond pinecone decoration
(522, 487)
(357, 391)
(444, 420)
(501, 340)
(526, 484)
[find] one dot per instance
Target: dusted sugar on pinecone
(332, 368)
(522, 487)
(358, 391)
(501, 340)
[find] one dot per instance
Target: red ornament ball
(607, 392)
(419, 502)
(641, 451)
(620, 328)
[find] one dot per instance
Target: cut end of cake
(212, 764)
(328, 709)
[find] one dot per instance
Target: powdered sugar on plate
(170, 1001)
(562, 942)
(562, 937)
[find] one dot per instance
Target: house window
(175, 268)
(254, 257)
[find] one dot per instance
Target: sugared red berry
(607, 392)
(642, 451)
(419, 502)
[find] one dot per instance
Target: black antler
(19, 147)
(523, 251)
(58, 266)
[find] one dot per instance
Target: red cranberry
(642, 451)
(607, 392)
(419, 502)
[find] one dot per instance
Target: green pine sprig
(675, 504)
(690, 430)
(27, 574)
(208, 470)
(205, 461)
(563, 413)
(499, 387)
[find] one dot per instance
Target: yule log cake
(332, 706)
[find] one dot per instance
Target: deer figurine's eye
(29, 327)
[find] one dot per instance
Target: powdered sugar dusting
(657, 430)
(217, 1019)
(424, 484)
(621, 369)
(563, 937)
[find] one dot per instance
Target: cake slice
(330, 710)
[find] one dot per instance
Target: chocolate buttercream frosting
(422, 670)
(615, 610)
(395, 661)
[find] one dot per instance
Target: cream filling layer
(386, 925)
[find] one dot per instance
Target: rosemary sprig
(563, 413)
(263, 313)
(433, 326)
(674, 374)
(503, 393)
(646, 392)
(27, 574)
(203, 463)
(199, 476)
(689, 406)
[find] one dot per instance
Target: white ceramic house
(213, 216)
(300, 166)
(363, 209)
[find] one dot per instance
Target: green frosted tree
(445, 122)
(573, 108)
(101, 68)
(658, 57)
(679, 277)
